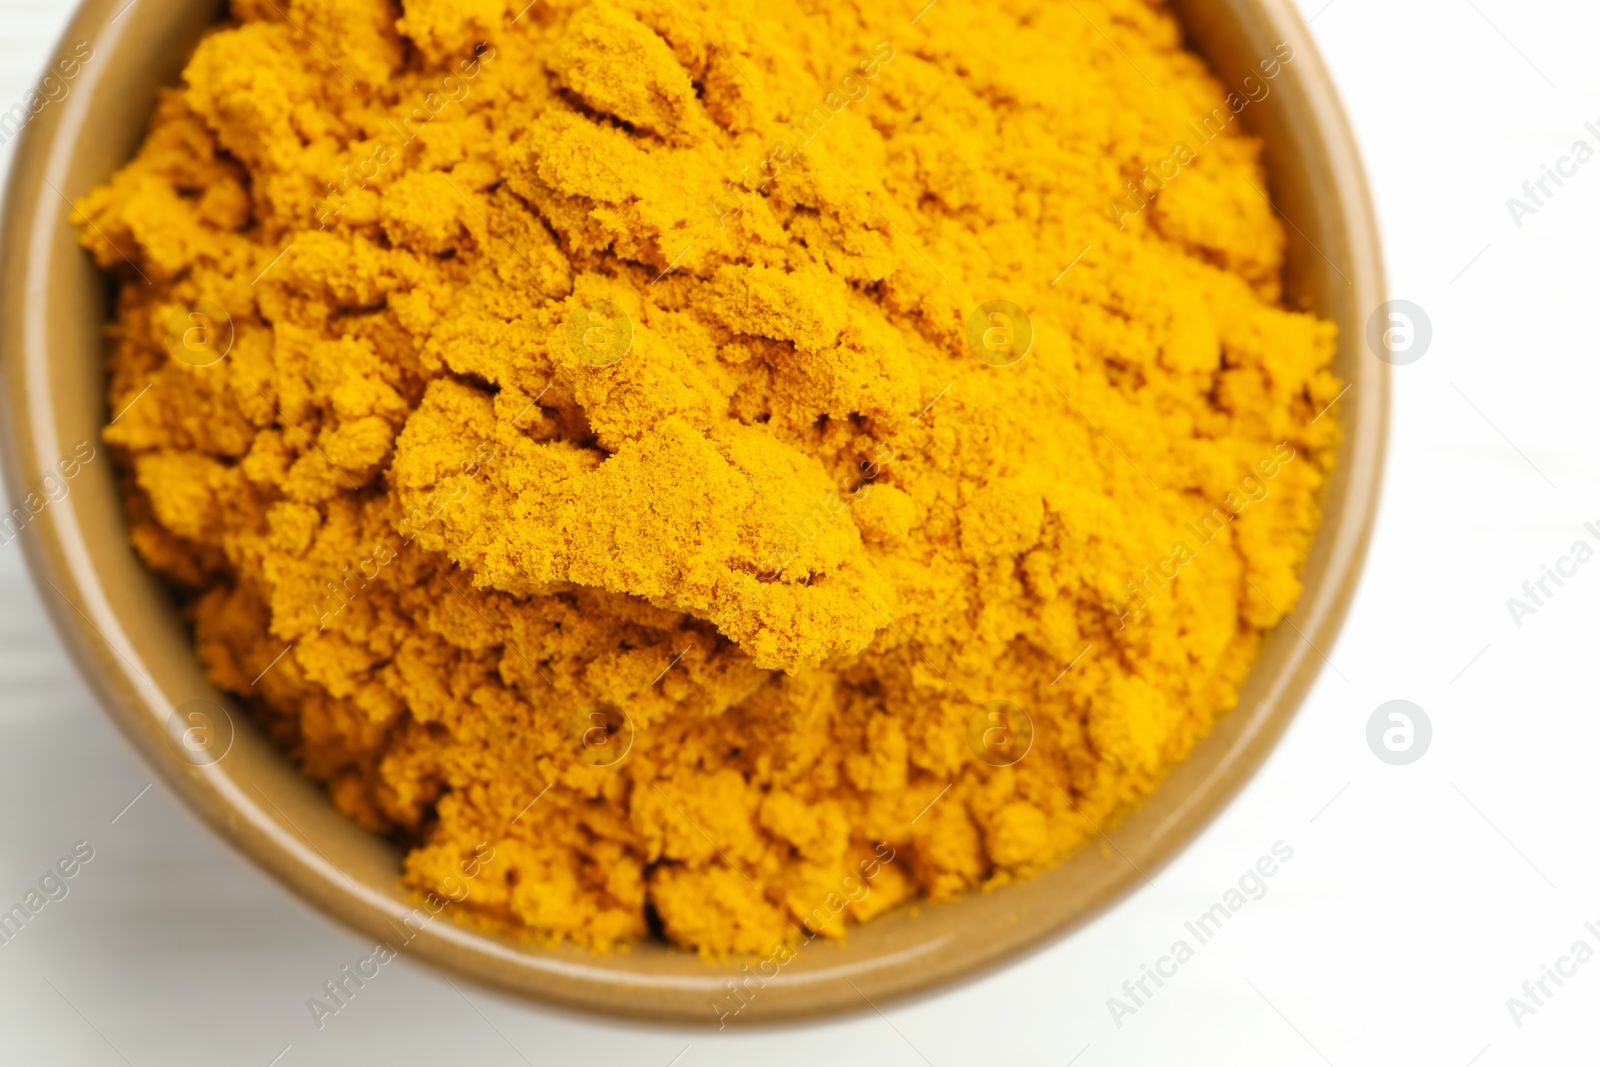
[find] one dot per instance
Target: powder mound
(603, 401)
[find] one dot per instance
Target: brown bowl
(121, 627)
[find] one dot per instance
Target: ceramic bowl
(121, 627)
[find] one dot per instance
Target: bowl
(123, 631)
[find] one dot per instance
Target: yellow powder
(603, 405)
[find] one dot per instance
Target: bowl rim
(59, 561)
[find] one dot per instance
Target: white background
(1417, 902)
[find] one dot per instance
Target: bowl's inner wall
(287, 823)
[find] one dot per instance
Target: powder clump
(599, 429)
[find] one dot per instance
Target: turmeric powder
(714, 453)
